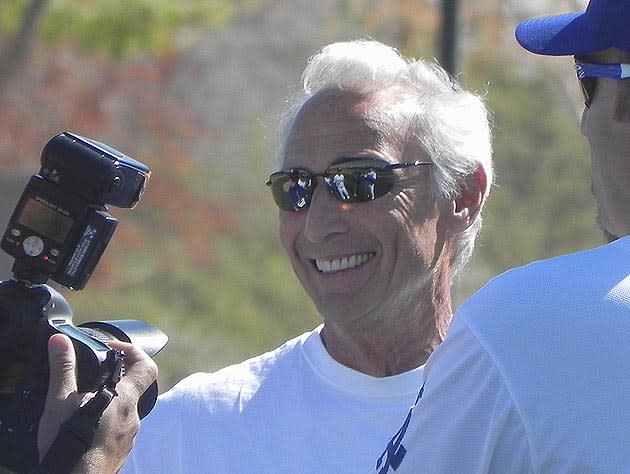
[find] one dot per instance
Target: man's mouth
(340, 264)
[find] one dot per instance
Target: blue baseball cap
(605, 24)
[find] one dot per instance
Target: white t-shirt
(293, 410)
(533, 377)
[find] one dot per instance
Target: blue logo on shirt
(395, 451)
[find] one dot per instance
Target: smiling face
(368, 259)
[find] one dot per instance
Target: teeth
(340, 264)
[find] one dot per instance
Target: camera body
(59, 230)
(61, 227)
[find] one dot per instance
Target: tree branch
(19, 48)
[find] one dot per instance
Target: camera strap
(77, 434)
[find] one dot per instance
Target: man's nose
(326, 215)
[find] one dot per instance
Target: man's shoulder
(237, 381)
(211, 413)
(558, 282)
(547, 309)
(557, 309)
(555, 332)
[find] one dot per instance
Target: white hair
(449, 123)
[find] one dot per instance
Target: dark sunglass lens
(291, 191)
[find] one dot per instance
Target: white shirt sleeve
(466, 420)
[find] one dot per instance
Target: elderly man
(385, 164)
(533, 375)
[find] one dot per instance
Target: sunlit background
(194, 88)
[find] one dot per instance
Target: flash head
(93, 170)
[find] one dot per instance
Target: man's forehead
(333, 114)
(336, 122)
(351, 109)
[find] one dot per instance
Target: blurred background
(194, 89)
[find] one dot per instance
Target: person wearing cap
(533, 374)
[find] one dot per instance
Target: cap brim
(559, 35)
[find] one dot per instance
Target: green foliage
(125, 27)
(11, 16)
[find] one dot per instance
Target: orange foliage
(126, 105)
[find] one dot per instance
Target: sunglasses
(292, 189)
(588, 73)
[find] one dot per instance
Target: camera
(59, 230)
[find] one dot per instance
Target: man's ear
(468, 204)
